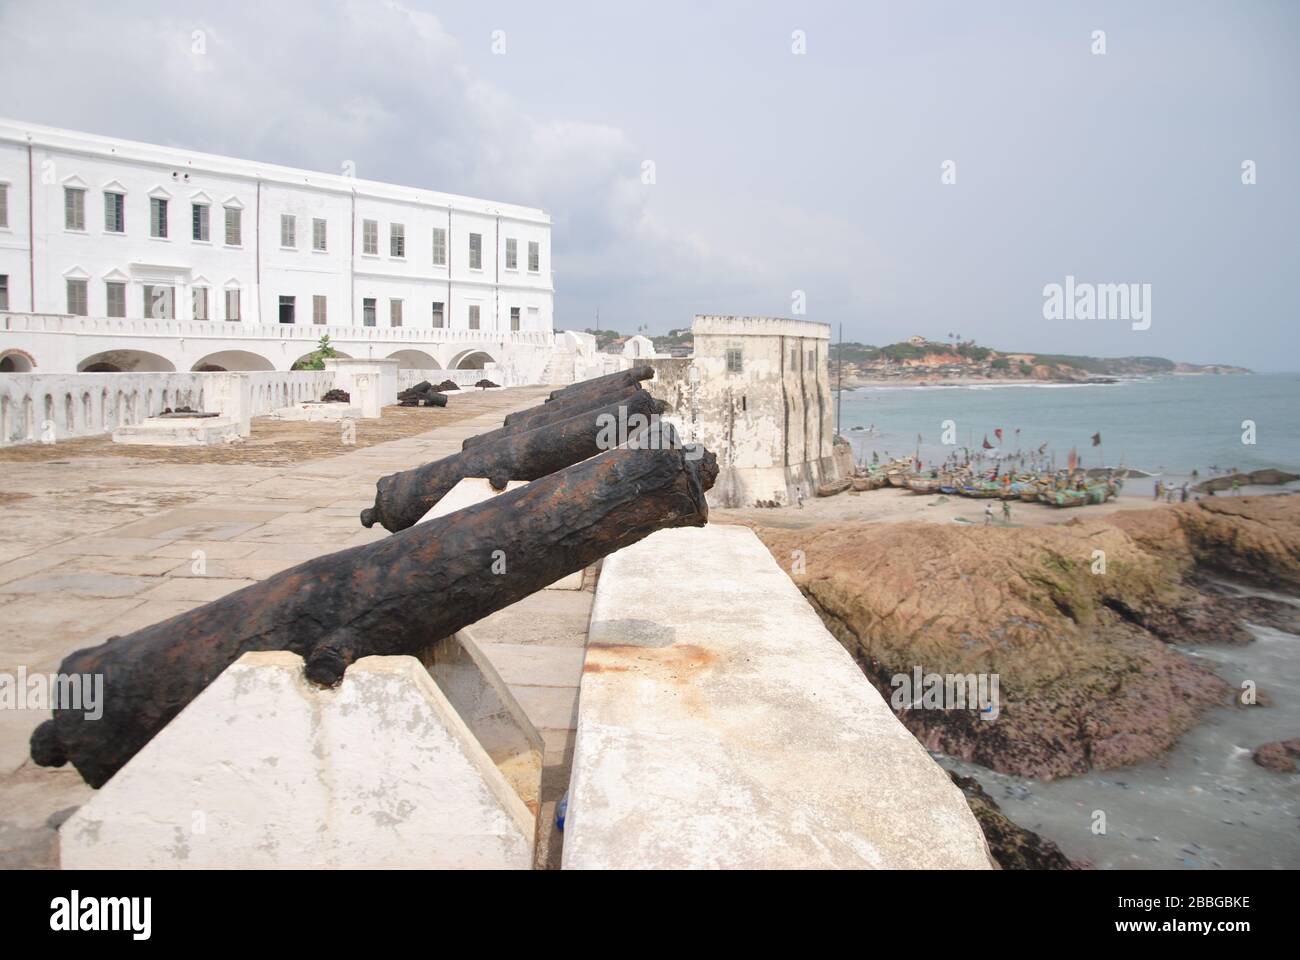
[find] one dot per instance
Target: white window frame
(534, 256)
(370, 238)
(74, 209)
(199, 298)
(109, 286)
(371, 304)
(120, 208)
(238, 311)
(288, 231)
(476, 251)
(319, 235)
(438, 314)
(319, 309)
(4, 205)
(512, 254)
(474, 316)
(439, 246)
(234, 218)
(83, 293)
(156, 223)
(397, 241)
(204, 213)
(394, 311)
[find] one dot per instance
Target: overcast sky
(774, 172)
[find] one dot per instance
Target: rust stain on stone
(680, 662)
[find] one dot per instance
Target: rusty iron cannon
(401, 499)
(423, 394)
(392, 597)
(553, 411)
(546, 414)
(610, 383)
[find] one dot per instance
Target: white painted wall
(259, 266)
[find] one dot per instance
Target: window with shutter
(232, 306)
(396, 240)
(394, 313)
(288, 230)
(514, 318)
(199, 222)
(234, 231)
(439, 247)
(476, 251)
(534, 256)
(473, 316)
(318, 308)
(370, 237)
(512, 253)
(115, 297)
(74, 208)
(77, 298)
(157, 217)
(317, 234)
(114, 213)
(437, 313)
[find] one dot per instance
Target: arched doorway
(231, 360)
(125, 361)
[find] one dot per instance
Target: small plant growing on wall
(316, 359)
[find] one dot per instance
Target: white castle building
(118, 256)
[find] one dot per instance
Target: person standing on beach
(1236, 487)
(1006, 513)
(1159, 489)
(988, 514)
(1184, 493)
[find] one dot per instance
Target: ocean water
(1164, 425)
(1205, 804)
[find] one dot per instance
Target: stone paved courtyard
(98, 542)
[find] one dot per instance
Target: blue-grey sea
(1206, 804)
(1166, 425)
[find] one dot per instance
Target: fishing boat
(924, 485)
(833, 487)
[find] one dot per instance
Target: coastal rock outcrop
(1278, 756)
(1012, 846)
(1055, 612)
(1077, 621)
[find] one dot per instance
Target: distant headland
(920, 360)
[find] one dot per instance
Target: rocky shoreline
(1080, 621)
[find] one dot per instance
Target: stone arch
(414, 360)
(125, 361)
(224, 360)
(472, 360)
(14, 360)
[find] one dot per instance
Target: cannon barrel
(392, 597)
(610, 381)
(401, 499)
(545, 414)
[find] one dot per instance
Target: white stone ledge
(720, 725)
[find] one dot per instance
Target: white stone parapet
(720, 725)
(264, 769)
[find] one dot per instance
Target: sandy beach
(896, 505)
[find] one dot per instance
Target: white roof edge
(17, 131)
